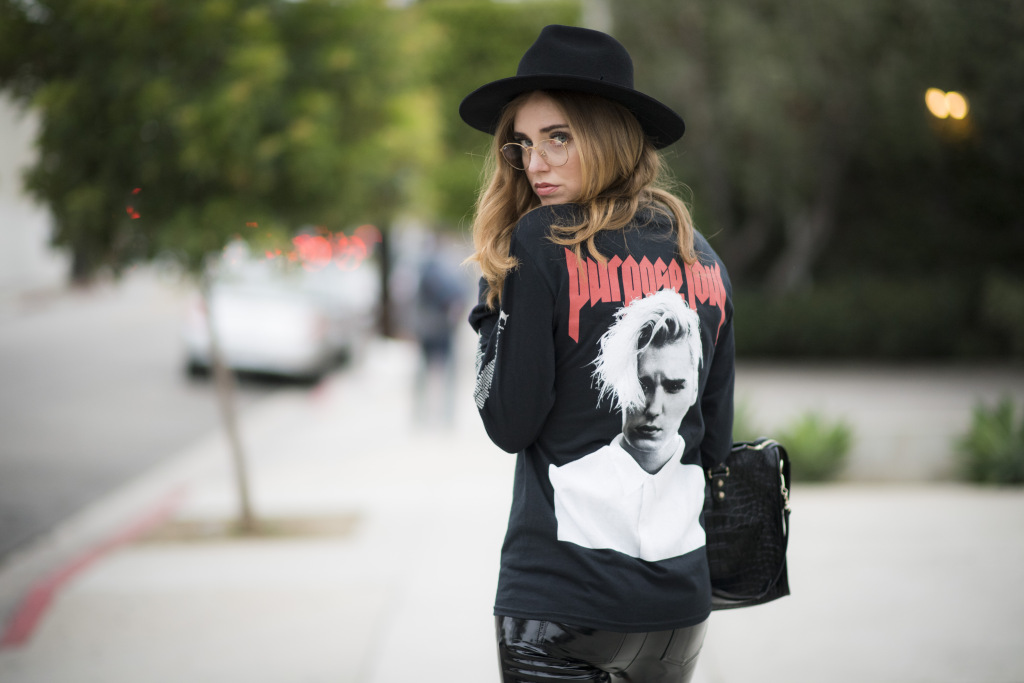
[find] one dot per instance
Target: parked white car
(279, 317)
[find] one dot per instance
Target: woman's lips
(544, 189)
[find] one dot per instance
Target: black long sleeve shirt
(537, 396)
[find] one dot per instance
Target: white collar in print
(605, 501)
(632, 475)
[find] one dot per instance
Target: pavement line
(30, 612)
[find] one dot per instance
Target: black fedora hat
(577, 59)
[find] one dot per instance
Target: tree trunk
(224, 381)
(792, 268)
(806, 232)
(385, 323)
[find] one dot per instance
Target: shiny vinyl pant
(546, 652)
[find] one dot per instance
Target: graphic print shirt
(593, 539)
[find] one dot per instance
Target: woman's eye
(561, 137)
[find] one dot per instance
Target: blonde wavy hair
(621, 173)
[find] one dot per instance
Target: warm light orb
(935, 100)
(946, 104)
(956, 104)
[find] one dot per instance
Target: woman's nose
(537, 161)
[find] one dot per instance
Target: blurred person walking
(603, 569)
(440, 304)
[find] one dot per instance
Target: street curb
(31, 577)
(33, 607)
(95, 527)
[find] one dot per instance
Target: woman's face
(540, 118)
(669, 379)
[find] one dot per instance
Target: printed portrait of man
(634, 495)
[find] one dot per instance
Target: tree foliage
(169, 127)
(809, 149)
(172, 126)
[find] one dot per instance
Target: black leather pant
(542, 651)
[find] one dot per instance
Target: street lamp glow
(935, 100)
(956, 104)
(943, 104)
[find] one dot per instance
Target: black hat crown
(568, 51)
(580, 60)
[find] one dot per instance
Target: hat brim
(482, 108)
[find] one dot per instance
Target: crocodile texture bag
(746, 518)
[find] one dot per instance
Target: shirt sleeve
(515, 366)
(717, 402)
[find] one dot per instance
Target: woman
(574, 238)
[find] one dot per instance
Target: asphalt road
(92, 394)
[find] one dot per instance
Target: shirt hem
(604, 625)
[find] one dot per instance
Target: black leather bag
(746, 519)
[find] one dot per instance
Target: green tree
(774, 97)
(808, 131)
(168, 128)
(204, 117)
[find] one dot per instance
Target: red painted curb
(33, 607)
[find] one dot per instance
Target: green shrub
(992, 450)
(817, 448)
(883, 318)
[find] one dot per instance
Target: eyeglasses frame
(531, 148)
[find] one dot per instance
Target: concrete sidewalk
(381, 551)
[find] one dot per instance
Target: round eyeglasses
(555, 152)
